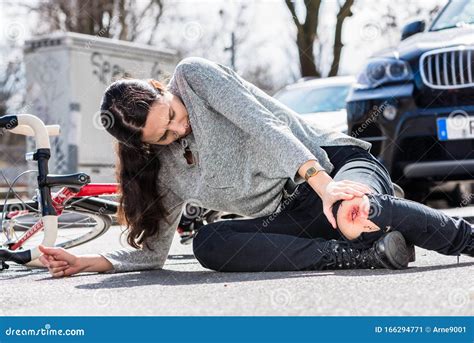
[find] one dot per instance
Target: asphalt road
(433, 285)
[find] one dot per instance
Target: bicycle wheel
(74, 228)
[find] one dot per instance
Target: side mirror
(413, 28)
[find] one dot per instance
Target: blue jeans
(292, 239)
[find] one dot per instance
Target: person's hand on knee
(353, 217)
(341, 190)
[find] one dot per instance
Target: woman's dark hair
(123, 112)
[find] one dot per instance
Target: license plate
(455, 128)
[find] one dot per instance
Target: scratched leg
(420, 225)
(353, 217)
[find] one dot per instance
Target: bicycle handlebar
(53, 130)
(30, 125)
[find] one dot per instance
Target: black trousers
(292, 239)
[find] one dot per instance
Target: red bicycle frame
(59, 199)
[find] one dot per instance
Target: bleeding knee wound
(360, 208)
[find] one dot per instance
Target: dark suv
(415, 104)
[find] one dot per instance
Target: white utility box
(66, 75)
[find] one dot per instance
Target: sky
(270, 40)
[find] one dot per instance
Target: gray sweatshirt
(245, 144)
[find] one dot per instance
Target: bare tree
(342, 15)
(11, 85)
(307, 34)
(122, 19)
(12, 147)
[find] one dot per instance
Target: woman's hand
(60, 262)
(341, 190)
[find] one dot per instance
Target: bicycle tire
(69, 232)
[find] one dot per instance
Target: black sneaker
(390, 251)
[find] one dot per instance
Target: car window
(310, 100)
(455, 14)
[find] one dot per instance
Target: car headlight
(378, 71)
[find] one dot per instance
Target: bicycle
(70, 217)
(74, 215)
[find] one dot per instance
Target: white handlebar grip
(38, 127)
(53, 130)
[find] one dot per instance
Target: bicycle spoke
(73, 223)
(23, 226)
(74, 228)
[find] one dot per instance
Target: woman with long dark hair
(316, 198)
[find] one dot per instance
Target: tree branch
(159, 3)
(342, 15)
(312, 18)
(291, 7)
